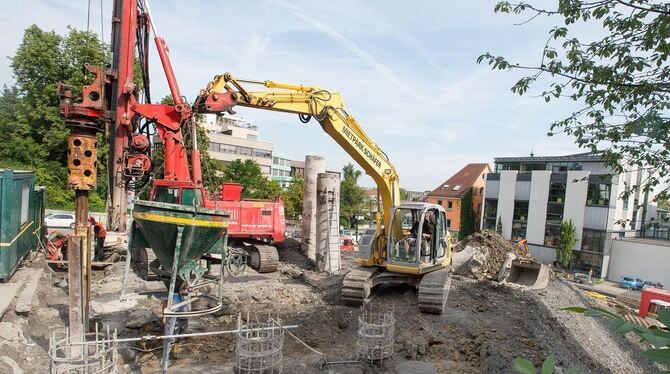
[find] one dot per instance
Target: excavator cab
(418, 237)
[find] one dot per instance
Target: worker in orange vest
(99, 233)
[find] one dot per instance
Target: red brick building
(449, 193)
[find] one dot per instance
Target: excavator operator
(426, 234)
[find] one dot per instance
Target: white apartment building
(232, 138)
(530, 196)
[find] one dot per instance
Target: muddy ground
(485, 326)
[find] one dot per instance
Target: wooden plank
(31, 278)
(7, 294)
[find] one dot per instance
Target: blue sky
(408, 73)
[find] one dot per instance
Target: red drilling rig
(113, 102)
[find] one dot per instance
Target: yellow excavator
(410, 243)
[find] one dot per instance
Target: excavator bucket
(529, 273)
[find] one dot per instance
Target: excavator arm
(327, 108)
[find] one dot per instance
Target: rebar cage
(98, 353)
(376, 332)
(259, 347)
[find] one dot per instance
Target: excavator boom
(328, 109)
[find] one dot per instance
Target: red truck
(254, 226)
(652, 301)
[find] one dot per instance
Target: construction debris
(487, 255)
(485, 325)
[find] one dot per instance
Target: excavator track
(357, 284)
(263, 258)
(434, 290)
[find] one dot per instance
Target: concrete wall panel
(575, 202)
(506, 201)
(647, 259)
(537, 207)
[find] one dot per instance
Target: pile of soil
(486, 252)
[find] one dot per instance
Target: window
(490, 213)
(457, 187)
(519, 220)
(551, 235)
(214, 147)
(557, 192)
(25, 201)
(228, 148)
(448, 223)
(450, 204)
(562, 167)
(481, 191)
(275, 161)
(598, 194)
(265, 169)
(262, 153)
(439, 202)
(244, 151)
(441, 234)
(520, 211)
(479, 208)
(554, 213)
(593, 241)
(445, 187)
(585, 261)
(626, 195)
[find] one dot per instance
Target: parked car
(59, 220)
(631, 282)
(652, 284)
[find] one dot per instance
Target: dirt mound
(290, 253)
(488, 251)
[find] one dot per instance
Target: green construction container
(21, 218)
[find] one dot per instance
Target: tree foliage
(524, 366)
(467, 217)
(621, 81)
(293, 198)
(404, 195)
(32, 133)
(249, 175)
(352, 196)
(567, 239)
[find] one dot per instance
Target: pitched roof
(459, 183)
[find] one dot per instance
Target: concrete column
(313, 166)
(327, 222)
